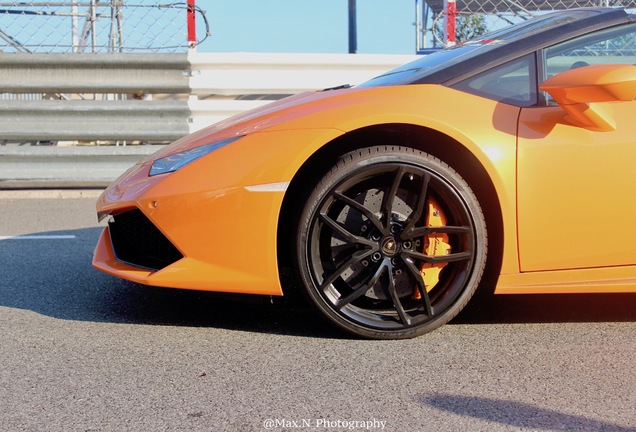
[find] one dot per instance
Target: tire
(363, 249)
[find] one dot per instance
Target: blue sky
(384, 26)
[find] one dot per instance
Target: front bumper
(216, 252)
(220, 213)
(163, 232)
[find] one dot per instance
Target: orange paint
(563, 176)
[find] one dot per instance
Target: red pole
(451, 13)
(192, 24)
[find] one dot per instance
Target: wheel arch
(440, 145)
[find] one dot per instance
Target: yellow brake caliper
(434, 244)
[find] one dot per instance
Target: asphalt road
(83, 351)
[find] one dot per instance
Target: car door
(576, 206)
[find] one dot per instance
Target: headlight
(179, 160)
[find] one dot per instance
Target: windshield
(447, 58)
(402, 74)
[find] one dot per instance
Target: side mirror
(583, 93)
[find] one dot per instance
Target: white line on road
(50, 194)
(38, 237)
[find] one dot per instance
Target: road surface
(83, 351)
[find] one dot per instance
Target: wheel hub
(389, 246)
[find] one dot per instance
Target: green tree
(467, 27)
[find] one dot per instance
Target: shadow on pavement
(516, 414)
(549, 308)
(54, 277)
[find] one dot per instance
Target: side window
(614, 45)
(513, 83)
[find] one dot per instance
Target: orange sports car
(507, 160)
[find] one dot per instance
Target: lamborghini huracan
(504, 164)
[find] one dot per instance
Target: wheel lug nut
(376, 256)
(365, 263)
(407, 244)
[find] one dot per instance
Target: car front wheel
(391, 243)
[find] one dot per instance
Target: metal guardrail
(225, 84)
(90, 120)
(205, 83)
(260, 73)
(94, 73)
(64, 78)
(77, 166)
(42, 99)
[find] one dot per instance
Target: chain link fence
(476, 17)
(105, 26)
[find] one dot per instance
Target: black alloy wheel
(365, 243)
